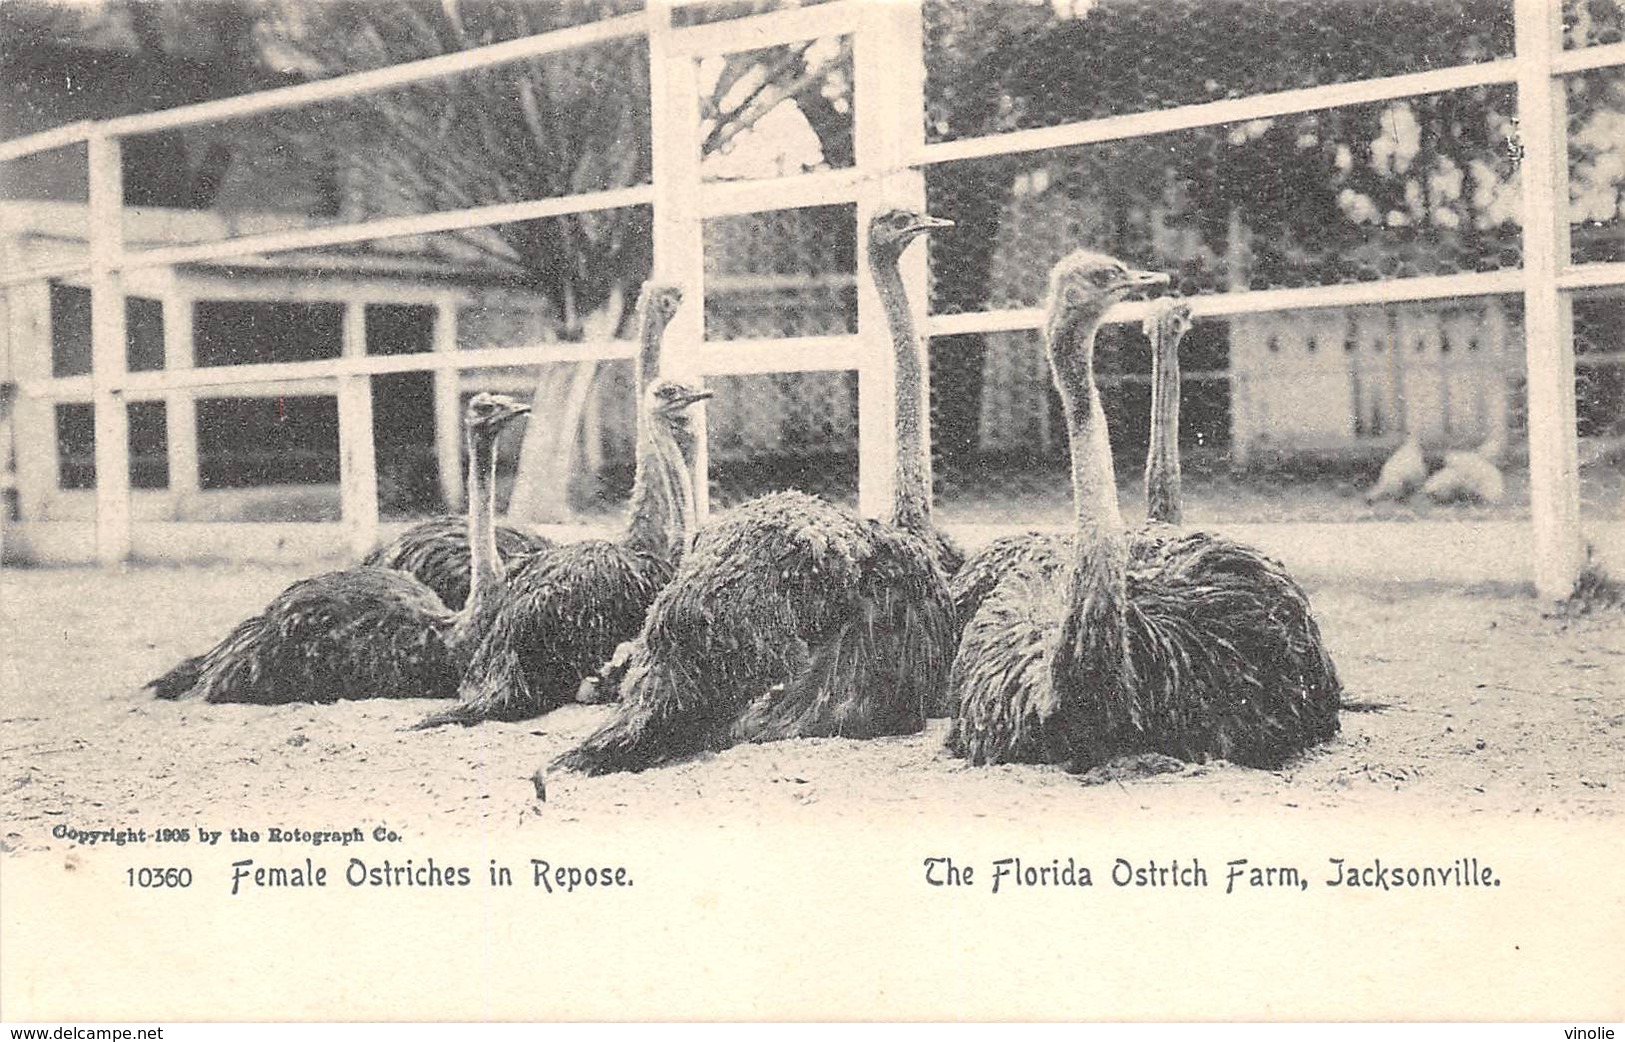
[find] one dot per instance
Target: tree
(1319, 197)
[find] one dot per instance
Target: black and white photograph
(812, 510)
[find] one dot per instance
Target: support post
(679, 246)
(1554, 469)
(888, 128)
(33, 422)
(358, 462)
(180, 406)
(108, 359)
(448, 428)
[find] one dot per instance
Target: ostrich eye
(899, 221)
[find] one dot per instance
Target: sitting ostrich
(364, 632)
(791, 617)
(561, 614)
(436, 550)
(1048, 552)
(1188, 645)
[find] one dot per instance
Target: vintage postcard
(1037, 510)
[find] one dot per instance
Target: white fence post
(107, 351)
(180, 406)
(679, 245)
(888, 94)
(358, 461)
(1554, 468)
(448, 419)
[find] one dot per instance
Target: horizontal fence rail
(338, 88)
(1213, 113)
(767, 30)
(387, 228)
(1253, 302)
(255, 374)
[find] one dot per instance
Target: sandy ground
(1487, 707)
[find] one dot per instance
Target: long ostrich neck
(485, 567)
(1162, 491)
(1094, 486)
(911, 495)
(646, 369)
(1090, 663)
(662, 513)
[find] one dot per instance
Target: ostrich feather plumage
(364, 632)
(1224, 656)
(1186, 644)
(359, 633)
(789, 617)
(1039, 553)
(560, 616)
(436, 552)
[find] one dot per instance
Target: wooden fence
(891, 156)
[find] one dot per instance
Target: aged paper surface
(820, 879)
(785, 921)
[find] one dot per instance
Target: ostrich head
(1082, 285)
(662, 302)
(891, 230)
(489, 413)
(1171, 321)
(668, 401)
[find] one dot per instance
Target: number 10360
(159, 878)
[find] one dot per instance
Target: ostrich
(365, 632)
(562, 614)
(791, 617)
(1187, 645)
(1048, 552)
(436, 550)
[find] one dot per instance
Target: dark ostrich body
(436, 552)
(364, 632)
(791, 617)
(561, 614)
(1189, 645)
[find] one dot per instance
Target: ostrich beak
(927, 223)
(1135, 281)
(696, 396)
